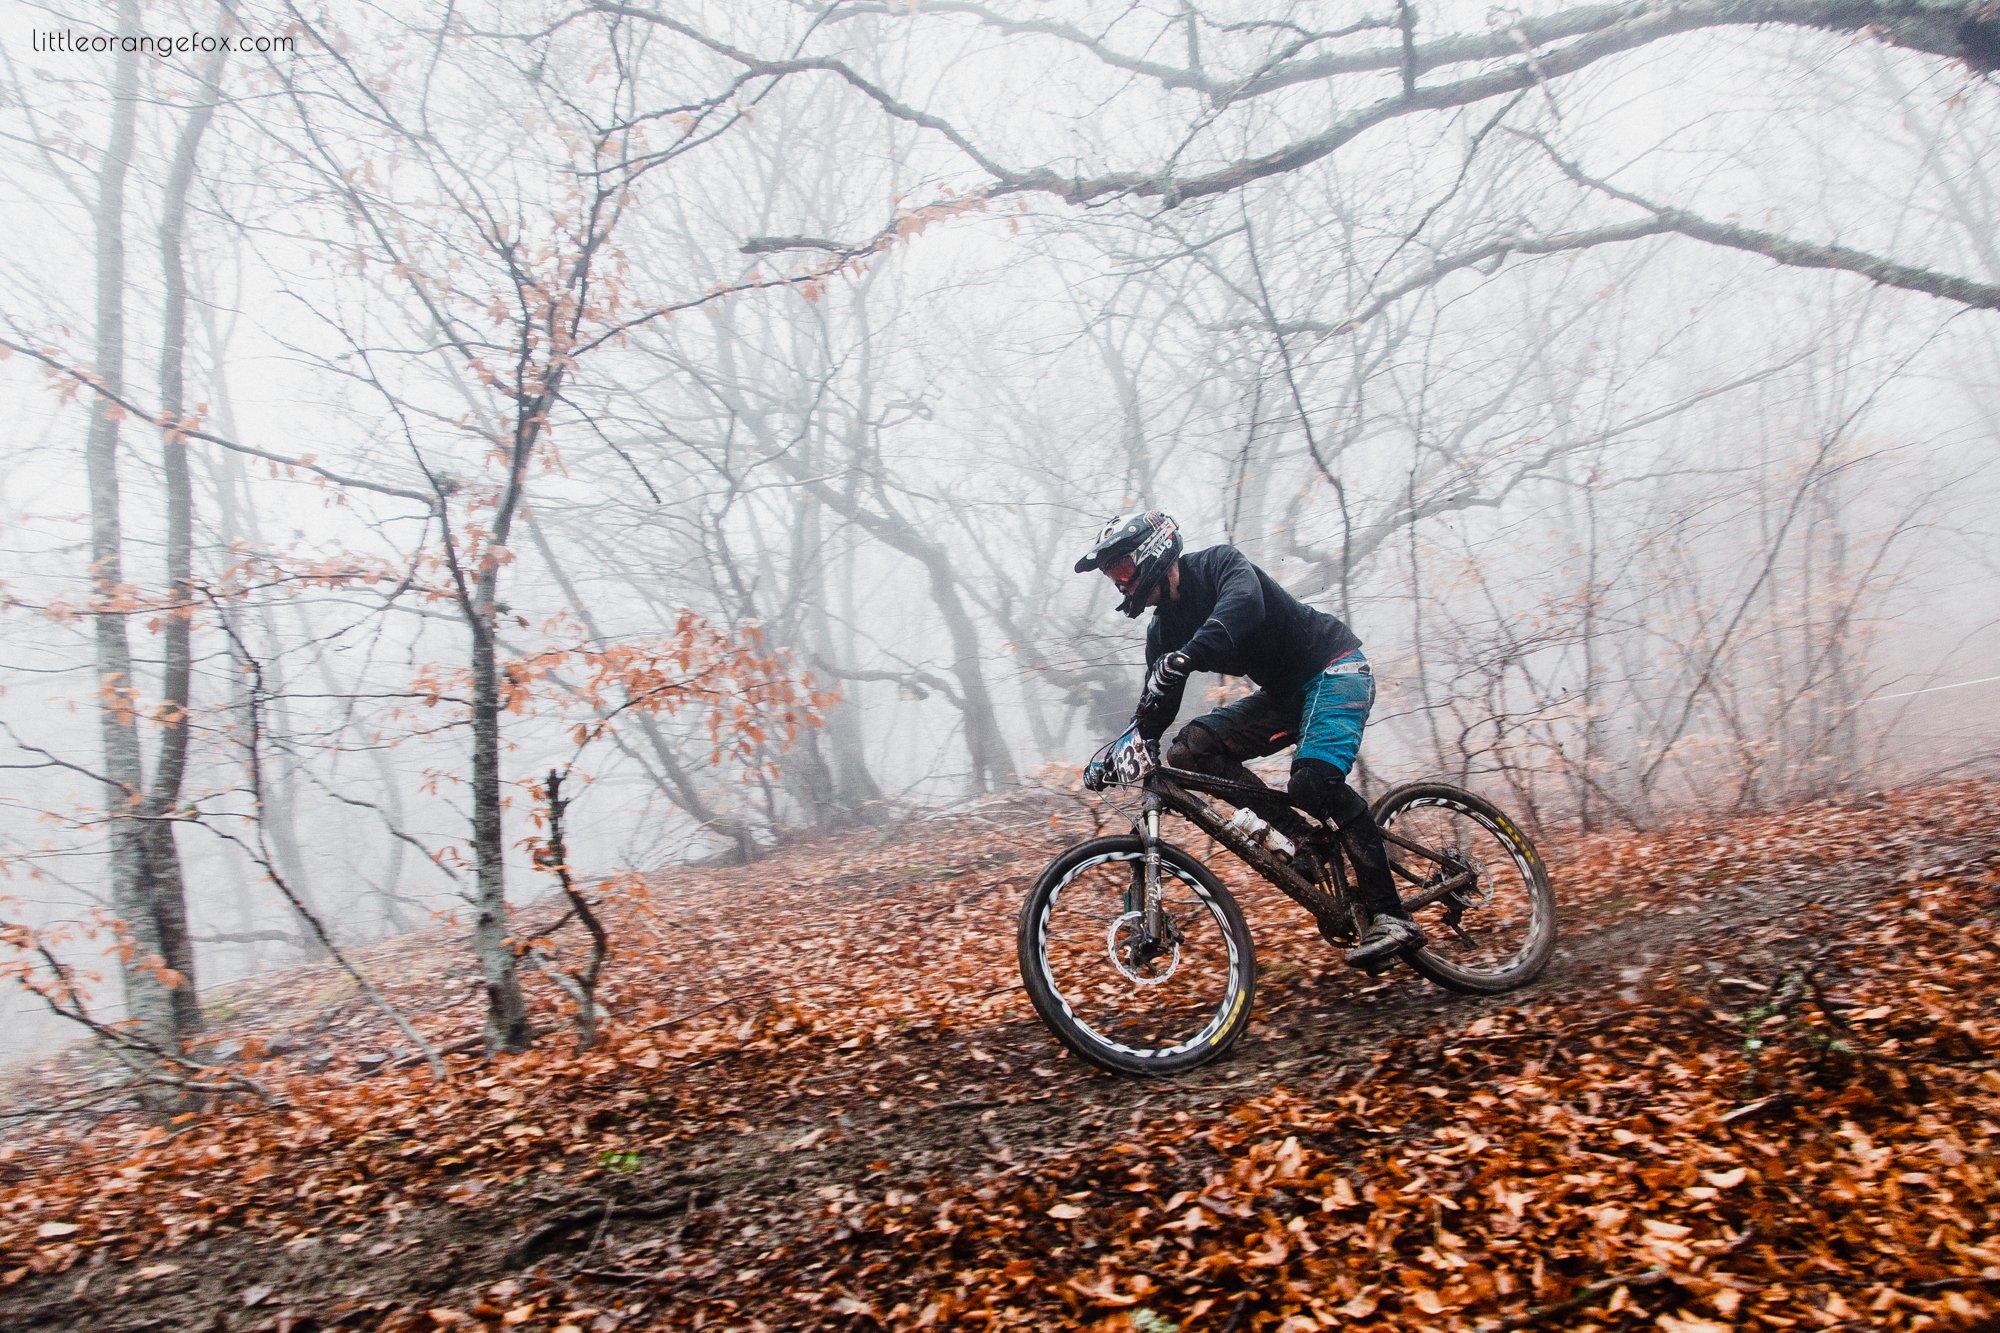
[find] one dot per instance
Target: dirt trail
(944, 1103)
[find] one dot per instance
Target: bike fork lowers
(1149, 841)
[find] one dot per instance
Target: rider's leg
(1218, 742)
(1335, 712)
(1322, 789)
(1200, 748)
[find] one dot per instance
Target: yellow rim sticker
(1520, 843)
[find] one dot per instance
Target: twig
(1736, 1246)
(581, 986)
(1587, 1296)
(612, 1275)
(1771, 1102)
(981, 1103)
(261, 855)
(463, 1047)
(601, 1212)
(597, 1237)
(128, 1047)
(961, 900)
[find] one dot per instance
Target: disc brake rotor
(1119, 941)
(1480, 891)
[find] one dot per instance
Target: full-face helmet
(1135, 551)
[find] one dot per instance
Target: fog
(710, 401)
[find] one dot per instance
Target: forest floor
(1756, 1087)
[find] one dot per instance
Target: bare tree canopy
(672, 426)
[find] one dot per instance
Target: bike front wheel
(1494, 927)
(1119, 1000)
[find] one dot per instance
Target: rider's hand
(1163, 688)
(1094, 775)
(1161, 699)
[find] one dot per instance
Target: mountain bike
(1139, 960)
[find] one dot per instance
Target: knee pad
(1322, 789)
(1197, 748)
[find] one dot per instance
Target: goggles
(1122, 570)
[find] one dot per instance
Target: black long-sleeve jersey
(1234, 619)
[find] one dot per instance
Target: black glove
(1161, 697)
(1094, 775)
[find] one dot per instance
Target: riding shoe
(1389, 938)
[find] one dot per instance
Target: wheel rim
(1150, 1009)
(1498, 918)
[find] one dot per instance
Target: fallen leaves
(1556, 1160)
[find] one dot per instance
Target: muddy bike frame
(1174, 790)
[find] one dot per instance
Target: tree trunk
(163, 861)
(854, 783)
(992, 765)
(149, 1001)
(506, 1013)
(855, 790)
(835, 765)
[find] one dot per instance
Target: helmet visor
(1122, 570)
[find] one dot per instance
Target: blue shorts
(1337, 702)
(1324, 717)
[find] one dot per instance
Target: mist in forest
(707, 403)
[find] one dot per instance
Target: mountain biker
(1213, 610)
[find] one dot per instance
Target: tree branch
(1955, 29)
(192, 432)
(1783, 249)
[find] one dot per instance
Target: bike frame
(1174, 789)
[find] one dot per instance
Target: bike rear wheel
(1117, 1004)
(1496, 932)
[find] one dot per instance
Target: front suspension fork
(1149, 872)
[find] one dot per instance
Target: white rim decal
(1232, 997)
(1514, 852)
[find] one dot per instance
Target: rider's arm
(1154, 715)
(1239, 609)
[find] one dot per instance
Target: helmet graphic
(1135, 551)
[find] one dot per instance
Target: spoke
(1099, 968)
(1471, 871)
